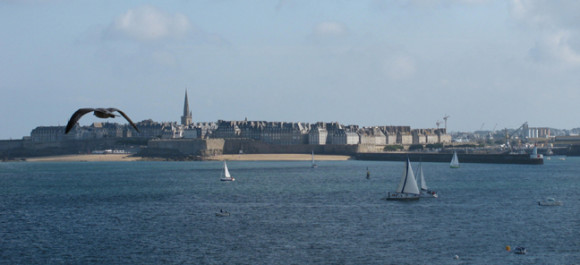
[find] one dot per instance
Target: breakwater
(446, 157)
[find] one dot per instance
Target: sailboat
(407, 189)
(454, 161)
(425, 191)
(314, 165)
(226, 174)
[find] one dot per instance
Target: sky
(485, 63)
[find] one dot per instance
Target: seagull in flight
(99, 112)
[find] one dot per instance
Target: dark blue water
(285, 213)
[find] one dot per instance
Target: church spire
(186, 119)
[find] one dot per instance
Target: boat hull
(550, 203)
(227, 179)
(429, 194)
(396, 196)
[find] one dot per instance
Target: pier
(446, 158)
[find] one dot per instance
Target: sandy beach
(241, 157)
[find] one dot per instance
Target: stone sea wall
(209, 147)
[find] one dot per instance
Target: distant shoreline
(278, 157)
(240, 157)
(85, 158)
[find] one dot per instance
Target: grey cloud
(147, 23)
(557, 26)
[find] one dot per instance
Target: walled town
(232, 137)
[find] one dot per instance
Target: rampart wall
(23, 148)
(256, 147)
(196, 147)
(10, 144)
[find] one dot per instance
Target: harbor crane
(520, 132)
(445, 119)
(438, 123)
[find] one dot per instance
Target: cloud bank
(147, 23)
(558, 26)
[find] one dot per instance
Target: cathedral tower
(186, 119)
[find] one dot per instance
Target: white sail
(454, 161)
(226, 171)
(226, 174)
(408, 184)
(422, 178)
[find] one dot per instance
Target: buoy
(456, 257)
(508, 248)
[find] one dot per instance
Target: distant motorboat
(407, 189)
(226, 174)
(222, 213)
(314, 165)
(520, 250)
(550, 202)
(454, 161)
(425, 191)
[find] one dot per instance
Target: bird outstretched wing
(76, 117)
(125, 116)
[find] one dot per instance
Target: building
(150, 129)
(284, 133)
(346, 135)
(239, 129)
(318, 134)
(537, 132)
(391, 138)
(419, 136)
(397, 134)
(44, 134)
(372, 136)
(186, 118)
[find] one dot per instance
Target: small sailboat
(454, 161)
(425, 191)
(314, 165)
(407, 189)
(226, 174)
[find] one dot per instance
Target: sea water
(285, 213)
